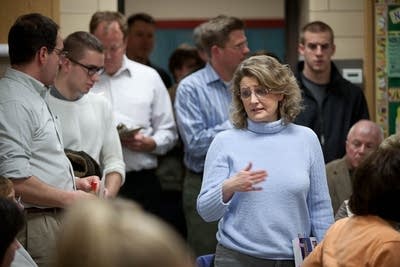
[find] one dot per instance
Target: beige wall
(346, 17)
(194, 9)
(75, 14)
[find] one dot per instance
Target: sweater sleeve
(216, 169)
(111, 158)
(319, 202)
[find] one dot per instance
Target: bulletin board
(387, 65)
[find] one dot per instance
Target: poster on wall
(380, 66)
(387, 59)
(393, 67)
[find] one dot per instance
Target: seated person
(362, 138)
(11, 222)
(344, 209)
(22, 257)
(369, 238)
(118, 233)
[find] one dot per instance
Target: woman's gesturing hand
(244, 181)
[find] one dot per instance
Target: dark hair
(29, 33)
(181, 55)
(11, 222)
(140, 17)
(316, 27)
(78, 42)
(108, 17)
(376, 184)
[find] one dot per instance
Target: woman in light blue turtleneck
(265, 179)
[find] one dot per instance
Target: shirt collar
(20, 76)
(123, 69)
(212, 75)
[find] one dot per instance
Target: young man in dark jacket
(331, 103)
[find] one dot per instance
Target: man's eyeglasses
(59, 52)
(260, 92)
(91, 70)
(240, 46)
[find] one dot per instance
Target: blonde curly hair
(272, 75)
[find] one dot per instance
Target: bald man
(363, 138)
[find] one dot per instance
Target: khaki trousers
(40, 234)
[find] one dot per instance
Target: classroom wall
(193, 9)
(75, 14)
(345, 17)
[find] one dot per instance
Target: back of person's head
(216, 31)
(28, 34)
(108, 17)
(11, 222)
(390, 141)
(273, 76)
(140, 17)
(197, 33)
(316, 27)
(376, 182)
(6, 187)
(77, 43)
(184, 56)
(102, 233)
(266, 53)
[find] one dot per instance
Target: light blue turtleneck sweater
(294, 200)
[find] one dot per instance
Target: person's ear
(65, 63)
(42, 54)
(301, 49)
(215, 50)
(333, 49)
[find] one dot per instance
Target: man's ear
(333, 49)
(215, 50)
(42, 54)
(300, 49)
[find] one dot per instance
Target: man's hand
(139, 142)
(88, 184)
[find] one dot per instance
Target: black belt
(44, 210)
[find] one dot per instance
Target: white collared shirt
(140, 99)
